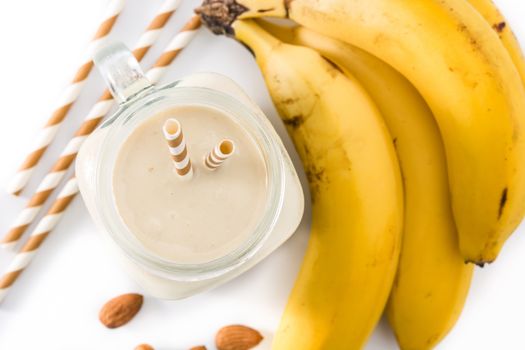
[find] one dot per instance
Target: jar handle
(121, 71)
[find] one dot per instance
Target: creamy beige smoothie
(201, 219)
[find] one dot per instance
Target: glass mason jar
(139, 100)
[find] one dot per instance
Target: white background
(54, 305)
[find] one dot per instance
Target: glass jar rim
(184, 96)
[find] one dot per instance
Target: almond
(200, 347)
(237, 337)
(144, 347)
(120, 310)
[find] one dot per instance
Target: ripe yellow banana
(432, 282)
(461, 68)
(493, 16)
(357, 199)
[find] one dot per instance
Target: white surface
(54, 305)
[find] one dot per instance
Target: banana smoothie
(190, 221)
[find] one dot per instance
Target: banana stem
(218, 15)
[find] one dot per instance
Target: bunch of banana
(462, 70)
(463, 114)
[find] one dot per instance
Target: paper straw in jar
(177, 146)
(45, 226)
(90, 123)
(222, 151)
(68, 97)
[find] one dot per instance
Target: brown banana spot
(316, 177)
(502, 201)
(499, 27)
(294, 122)
(265, 10)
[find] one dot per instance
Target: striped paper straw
(49, 222)
(222, 151)
(177, 147)
(68, 97)
(179, 42)
(93, 118)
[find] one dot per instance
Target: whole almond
(200, 347)
(120, 310)
(237, 337)
(144, 347)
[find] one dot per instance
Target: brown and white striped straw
(222, 151)
(30, 248)
(178, 149)
(68, 97)
(44, 227)
(175, 46)
(93, 118)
